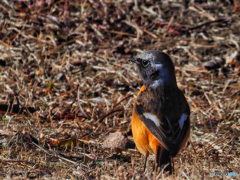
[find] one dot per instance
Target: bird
(161, 114)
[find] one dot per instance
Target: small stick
(205, 24)
(192, 146)
(213, 128)
(80, 107)
(112, 110)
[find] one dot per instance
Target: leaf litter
(66, 85)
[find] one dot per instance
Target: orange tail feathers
(162, 158)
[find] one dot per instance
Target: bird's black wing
(170, 132)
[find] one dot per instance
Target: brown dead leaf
(65, 143)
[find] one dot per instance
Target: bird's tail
(163, 158)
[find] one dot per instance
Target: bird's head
(155, 65)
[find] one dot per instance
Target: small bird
(160, 118)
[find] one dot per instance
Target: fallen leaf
(65, 143)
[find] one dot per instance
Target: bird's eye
(145, 63)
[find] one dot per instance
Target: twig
(122, 101)
(106, 115)
(112, 110)
(80, 107)
(217, 141)
(122, 33)
(60, 46)
(5, 44)
(134, 25)
(192, 146)
(55, 154)
(213, 128)
(205, 24)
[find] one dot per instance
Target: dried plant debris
(213, 64)
(67, 89)
(117, 140)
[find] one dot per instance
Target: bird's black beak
(134, 60)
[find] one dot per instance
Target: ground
(51, 50)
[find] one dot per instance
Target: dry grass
(49, 49)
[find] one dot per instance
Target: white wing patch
(152, 118)
(182, 119)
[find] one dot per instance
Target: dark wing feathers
(155, 130)
(169, 133)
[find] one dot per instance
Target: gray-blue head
(155, 65)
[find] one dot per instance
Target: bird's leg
(145, 162)
(172, 170)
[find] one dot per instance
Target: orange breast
(144, 140)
